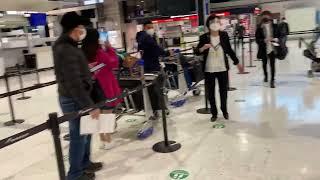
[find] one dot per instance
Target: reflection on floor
(273, 134)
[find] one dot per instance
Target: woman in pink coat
(104, 76)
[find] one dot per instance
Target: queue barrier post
(38, 77)
(13, 121)
(242, 58)
(205, 110)
(54, 127)
(23, 96)
(250, 51)
(165, 146)
(235, 44)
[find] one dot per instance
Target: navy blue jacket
(151, 51)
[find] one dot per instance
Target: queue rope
(53, 122)
(53, 82)
(25, 72)
(37, 129)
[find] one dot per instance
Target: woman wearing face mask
(104, 76)
(267, 36)
(215, 46)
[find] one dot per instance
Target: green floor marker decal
(219, 126)
(131, 120)
(179, 174)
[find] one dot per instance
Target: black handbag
(282, 50)
(97, 93)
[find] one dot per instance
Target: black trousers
(155, 94)
(223, 81)
(271, 57)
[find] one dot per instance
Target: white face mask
(215, 27)
(150, 32)
(83, 35)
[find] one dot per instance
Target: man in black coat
(267, 38)
(284, 30)
(75, 85)
(151, 52)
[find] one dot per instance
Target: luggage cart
(186, 75)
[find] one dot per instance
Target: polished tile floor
(273, 134)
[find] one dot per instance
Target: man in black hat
(74, 88)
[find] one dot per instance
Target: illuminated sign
(223, 14)
(174, 19)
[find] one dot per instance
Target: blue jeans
(79, 150)
(187, 76)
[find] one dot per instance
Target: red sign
(222, 14)
(186, 18)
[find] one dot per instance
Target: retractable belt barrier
(25, 72)
(54, 121)
(31, 88)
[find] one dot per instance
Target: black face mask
(265, 20)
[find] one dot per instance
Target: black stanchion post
(205, 110)
(54, 126)
(165, 146)
(38, 77)
(235, 43)
(23, 97)
(243, 57)
(13, 118)
(250, 51)
(300, 42)
(229, 87)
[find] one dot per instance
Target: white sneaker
(107, 146)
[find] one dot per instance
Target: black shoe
(214, 118)
(226, 116)
(86, 176)
(93, 167)
(272, 84)
(90, 175)
(265, 80)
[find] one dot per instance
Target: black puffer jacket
(72, 71)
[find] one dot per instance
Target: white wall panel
(301, 19)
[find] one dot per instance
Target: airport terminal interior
(272, 133)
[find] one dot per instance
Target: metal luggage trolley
(186, 74)
(185, 77)
(144, 79)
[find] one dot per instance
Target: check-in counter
(12, 51)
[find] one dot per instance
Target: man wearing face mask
(74, 88)
(267, 37)
(215, 46)
(151, 52)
